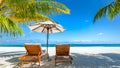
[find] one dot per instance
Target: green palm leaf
(103, 12)
(32, 10)
(110, 10)
(8, 27)
(51, 8)
(27, 11)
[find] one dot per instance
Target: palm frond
(8, 27)
(27, 11)
(102, 12)
(25, 19)
(51, 8)
(110, 10)
(28, 8)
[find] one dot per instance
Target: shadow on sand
(10, 57)
(104, 60)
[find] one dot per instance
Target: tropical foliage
(8, 27)
(110, 10)
(34, 10)
(22, 11)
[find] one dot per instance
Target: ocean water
(72, 45)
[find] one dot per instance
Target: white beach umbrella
(47, 27)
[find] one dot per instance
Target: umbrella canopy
(47, 27)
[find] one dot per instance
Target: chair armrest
(22, 57)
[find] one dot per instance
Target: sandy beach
(83, 57)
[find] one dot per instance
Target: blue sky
(79, 26)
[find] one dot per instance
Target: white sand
(83, 56)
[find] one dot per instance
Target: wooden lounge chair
(33, 54)
(62, 53)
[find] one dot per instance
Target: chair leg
(71, 62)
(39, 61)
(22, 63)
(55, 62)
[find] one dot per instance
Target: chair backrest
(62, 49)
(33, 49)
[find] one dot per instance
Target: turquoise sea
(72, 45)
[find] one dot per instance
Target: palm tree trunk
(1, 2)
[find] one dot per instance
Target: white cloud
(76, 40)
(86, 40)
(100, 34)
(28, 34)
(86, 20)
(82, 40)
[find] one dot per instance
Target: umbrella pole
(47, 40)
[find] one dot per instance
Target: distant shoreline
(72, 45)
